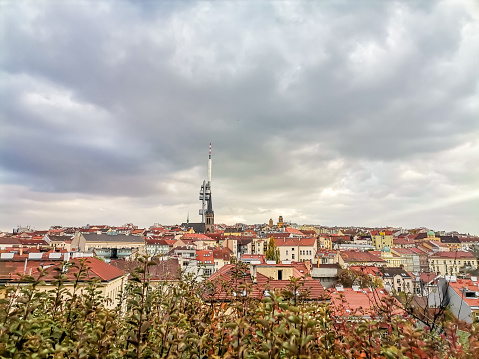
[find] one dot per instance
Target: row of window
(458, 262)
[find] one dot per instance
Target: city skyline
(344, 113)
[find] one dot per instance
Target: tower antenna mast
(209, 166)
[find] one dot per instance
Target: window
(292, 256)
(286, 252)
(280, 274)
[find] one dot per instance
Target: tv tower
(205, 191)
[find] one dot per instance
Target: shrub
(172, 320)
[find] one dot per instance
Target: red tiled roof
(303, 242)
(162, 270)
(361, 303)
(102, 270)
(96, 268)
(9, 240)
(313, 287)
(278, 235)
(196, 236)
(309, 232)
(294, 231)
(372, 270)
(170, 242)
(469, 239)
(471, 286)
(33, 242)
(352, 256)
(427, 277)
(205, 256)
(216, 236)
(226, 280)
(454, 255)
(402, 250)
(158, 242)
(222, 253)
(137, 231)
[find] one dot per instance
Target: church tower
(209, 218)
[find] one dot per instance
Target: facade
(326, 274)
(396, 280)
(467, 243)
(393, 260)
(8, 242)
(410, 259)
(297, 249)
(460, 295)
(452, 263)
(382, 239)
(221, 257)
(156, 247)
(452, 242)
(108, 246)
(325, 242)
(259, 246)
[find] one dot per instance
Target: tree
(349, 277)
(272, 253)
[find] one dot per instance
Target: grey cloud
(365, 82)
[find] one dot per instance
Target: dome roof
(431, 233)
(386, 249)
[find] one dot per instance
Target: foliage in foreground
(173, 320)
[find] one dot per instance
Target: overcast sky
(328, 112)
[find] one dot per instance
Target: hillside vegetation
(177, 321)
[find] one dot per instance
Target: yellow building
(393, 260)
(273, 271)
(431, 236)
(325, 242)
(382, 239)
(452, 263)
